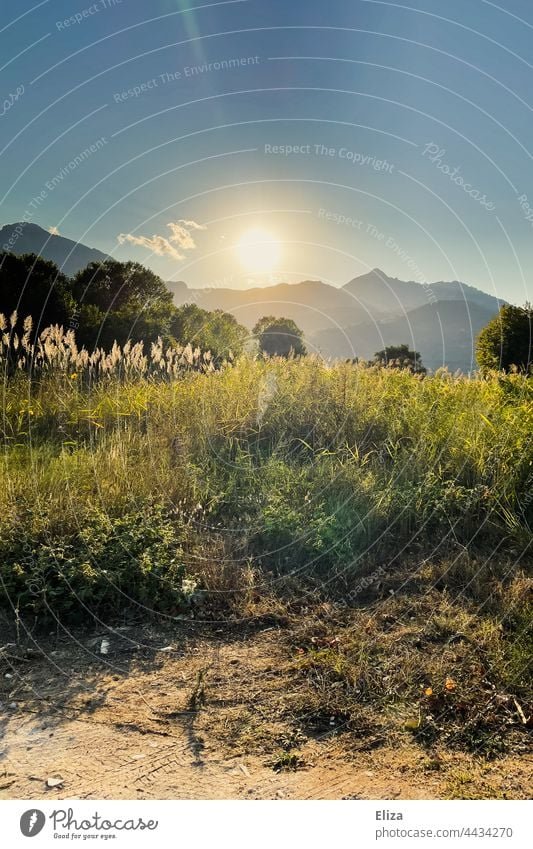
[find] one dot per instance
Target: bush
(109, 566)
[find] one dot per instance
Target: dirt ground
(151, 715)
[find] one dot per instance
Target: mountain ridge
(70, 256)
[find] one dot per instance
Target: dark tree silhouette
(279, 337)
(33, 286)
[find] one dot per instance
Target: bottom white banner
(236, 824)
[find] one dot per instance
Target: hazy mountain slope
(68, 255)
(312, 305)
(444, 333)
(398, 296)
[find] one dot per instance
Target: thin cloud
(180, 235)
(156, 244)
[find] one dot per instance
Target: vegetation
(507, 341)
(333, 469)
(30, 285)
(120, 301)
(218, 332)
(400, 356)
(279, 337)
(383, 515)
(109, 302)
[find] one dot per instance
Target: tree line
(120, 301)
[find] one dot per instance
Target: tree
(216, 331)
(506, 341)
(121, 301)
(33, 286)
(279, 337)
(400, 356)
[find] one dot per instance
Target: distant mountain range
(311, 304)
(441, 320)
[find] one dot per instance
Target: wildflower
(73, 376)
(450, 684)
(428, 691)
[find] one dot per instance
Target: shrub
(108, 566)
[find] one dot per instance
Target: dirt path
(201, 719)
(96, 761)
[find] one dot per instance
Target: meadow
(381, 519)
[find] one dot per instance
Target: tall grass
(295, 469)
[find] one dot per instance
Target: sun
(258, 250)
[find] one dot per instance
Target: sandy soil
(204, 717)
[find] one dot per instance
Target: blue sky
(353, 134)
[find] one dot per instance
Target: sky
(249, 142)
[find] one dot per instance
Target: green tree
(279, 337)
(400, 356)
(33, 286)
(121, 301)
(506, 341)
(216, 331)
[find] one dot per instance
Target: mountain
(395, 296)
(443, 332)
(441, 320)
(69, 256)
(313, 305)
